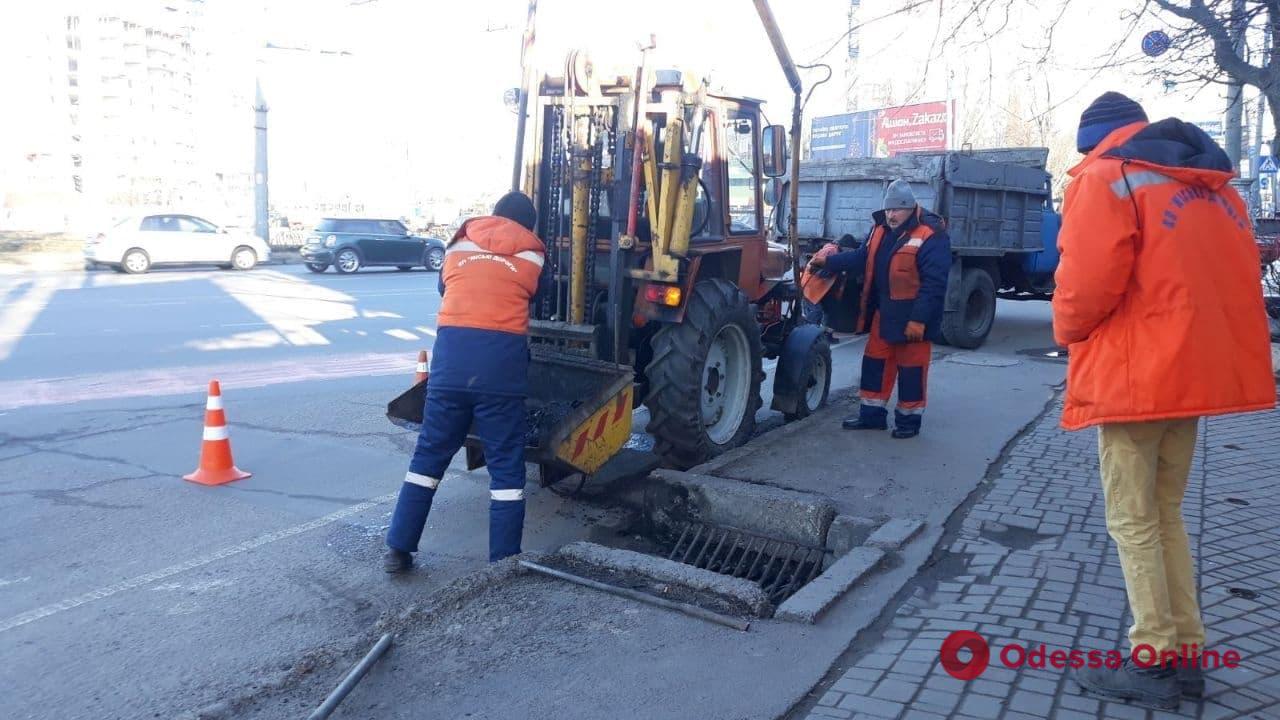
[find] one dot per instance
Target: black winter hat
(518, 207)
(1110, 111)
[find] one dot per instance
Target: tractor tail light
(668, 295)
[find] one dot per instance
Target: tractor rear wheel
(704, 378)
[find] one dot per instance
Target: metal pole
(685, 608)
(261, 224)
(351, 680)
(1261, 109)
(526, 82)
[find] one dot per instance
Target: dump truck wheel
(704, 379)
(969, 326)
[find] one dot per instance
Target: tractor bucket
(577, 414)
(578, 411)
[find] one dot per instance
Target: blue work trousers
(449, 415)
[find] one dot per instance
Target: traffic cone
(423, 361)
(216, 466)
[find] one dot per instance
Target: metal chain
(597, 151)
(555, 197)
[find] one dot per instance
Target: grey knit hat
(898, 196)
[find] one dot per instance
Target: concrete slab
(812, 600)
(800, 517)
(847, 532)
(736, 590)
(895, 533)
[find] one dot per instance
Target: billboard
(886, 132)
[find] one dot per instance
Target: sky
(402, 100)
(434, 77)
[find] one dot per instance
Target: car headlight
(331, 241)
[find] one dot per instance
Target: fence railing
(287, 238)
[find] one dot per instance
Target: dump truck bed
(994, 201)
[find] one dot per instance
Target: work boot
(1191, 680)
(904, 433)
(855, 422)
(1154, 687)
(397, 561)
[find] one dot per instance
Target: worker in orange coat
(1158, 302)
(479, 376)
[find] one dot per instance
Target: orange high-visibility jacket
(1158, 290)
(491, 269)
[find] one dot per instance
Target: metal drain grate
(778, 566)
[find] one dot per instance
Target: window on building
(739, 136)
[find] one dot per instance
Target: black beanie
(518, 207)
(1110, 111)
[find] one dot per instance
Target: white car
(134, 244)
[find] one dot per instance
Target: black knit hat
(1110, 111)
(517, 206)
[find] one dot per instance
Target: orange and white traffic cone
(424, 360)
(216, 466)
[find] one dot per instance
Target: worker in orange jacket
(904, 265)
(1158, 302)
(479, 376)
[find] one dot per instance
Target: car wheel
(347, 261)
(244, 258)
(136, 261)
(404, 268)
(317, 267)
(434, 259)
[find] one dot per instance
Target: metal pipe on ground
(685, 608)
(352, 679)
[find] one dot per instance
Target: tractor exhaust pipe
(793, 77)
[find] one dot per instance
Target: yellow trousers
(1144, 475)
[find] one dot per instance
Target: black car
(349, 244)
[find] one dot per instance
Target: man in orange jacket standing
(1158, 303)
(479, 376)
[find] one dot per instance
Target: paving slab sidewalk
(1032, 563)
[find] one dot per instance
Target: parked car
(135, 244)
(349, 244)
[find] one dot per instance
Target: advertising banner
(923, 127)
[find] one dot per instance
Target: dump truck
(999, 213)
(666, 287)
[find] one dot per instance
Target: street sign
(1155, 43)
(1268, 165)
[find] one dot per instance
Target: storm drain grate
(778, 566)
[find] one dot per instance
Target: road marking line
(141, 580)
(22, 335)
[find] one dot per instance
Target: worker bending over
(479, 376)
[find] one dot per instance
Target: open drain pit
(779, 567)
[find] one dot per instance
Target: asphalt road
(126, 592)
